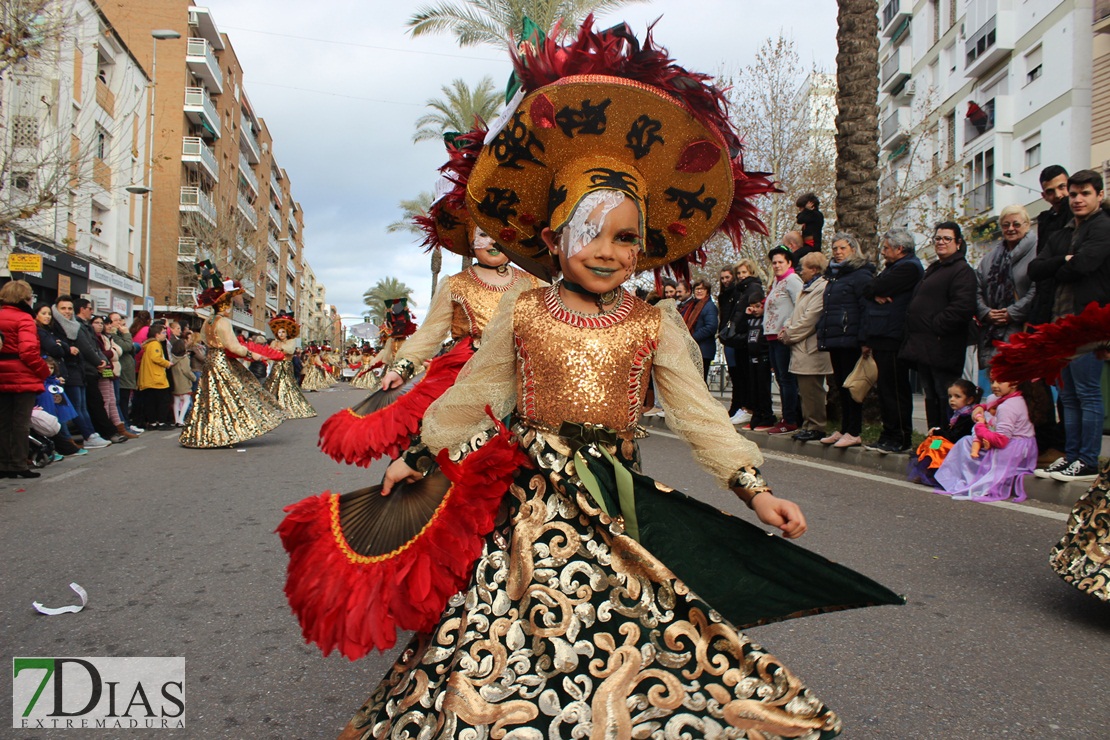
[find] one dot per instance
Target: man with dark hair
(1077, 259)
(1054, 191)
(93, 361)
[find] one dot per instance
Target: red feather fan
(360, 440)
(1046, 350)
(356, 604)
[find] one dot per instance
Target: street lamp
(158, 34)
(1008, 181)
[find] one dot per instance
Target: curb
(892, 465)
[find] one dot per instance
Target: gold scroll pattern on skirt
(283, 386)
(570, 630)
(1082, 557)
(230, 405)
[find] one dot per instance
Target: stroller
(41, 450)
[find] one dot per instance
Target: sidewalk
(1039, 489)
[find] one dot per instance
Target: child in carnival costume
(594, 601)
(281, 383)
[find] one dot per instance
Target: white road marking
(131, 449)
(1010, 506)
(67, 474)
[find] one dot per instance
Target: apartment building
(73, 131)
(217, 190)
(976, 97)
(1100, 97)
(314, 309)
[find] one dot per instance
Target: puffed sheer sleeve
(691, 412)
(487, 379)
(226, 335)
(423, 345)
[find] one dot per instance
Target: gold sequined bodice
(582, 368)
(211, 336)
(473, 302)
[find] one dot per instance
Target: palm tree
(385, 289)
(491, 22)
(410, 209)
(857, 119)
(458, 108)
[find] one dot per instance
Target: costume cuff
(405, 368)
(419, 457)
(747, 483)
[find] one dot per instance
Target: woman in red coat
(22, 371)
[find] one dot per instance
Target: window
(1032, 155)
(103, 143)
(1034, 65)
(23, 181)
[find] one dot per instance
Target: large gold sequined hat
(285, 320)
(605, 112)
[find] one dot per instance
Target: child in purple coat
(1008, 454)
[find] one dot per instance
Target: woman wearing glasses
(938, 319)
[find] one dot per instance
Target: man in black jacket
(938, 319)
(882, 327)
(1054, 191)
(1077, 259)
(93, 361)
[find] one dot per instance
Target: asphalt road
(176, 550)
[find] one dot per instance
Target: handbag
(862, 378)
(732, 335)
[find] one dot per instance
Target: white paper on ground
(72, 609)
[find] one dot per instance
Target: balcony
(272, 242)
(290, 267)
(293, 227)
(102, 173)
(271, 271)
(277, 193)
(248, 285)
(897, 69)
(186, 297)
(1102, 16)
(238, 314)
(187, 249)
(105, 98)
(195, 200)
(275, 216)
(894, 14)
(248, 144)
(200, 109)
(205, 26)
(98, 247)
(202, 62)
(992, 41)
(271, 300)
(194, 151)
(247, 249)
(980, 200)
(247, 172)
(247, 209)
(894, 128)
(290, 289)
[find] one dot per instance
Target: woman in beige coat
(806, 362)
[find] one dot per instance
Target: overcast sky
(340, 83)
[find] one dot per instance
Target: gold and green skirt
(314, 379)
(1082, 557)
(283, 386)
(571, 627)
(367, 380)
(230, 406)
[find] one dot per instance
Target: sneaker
(762, 427)
(808, 435)
(655, 411)
(95, 442)
(136, 430)
(740, 417)
(848, 440)
(1077, 471)
(832, 438)
(80, 451)
(1056, 467)
(783, 428)
(58, 458)
(886, 447)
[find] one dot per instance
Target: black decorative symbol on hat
(498, 204)
(515, 143)
(603, 177)
(656, 243)
(688, 202)
(589, 119)
(643, 135)
(534, 244)
(556, 196)
(447, 220)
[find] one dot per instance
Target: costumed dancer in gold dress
(315, 376)
(595, 602)
(281, 383)
(1082, 556)
(461, 307)
(230, 405)
(366, 378)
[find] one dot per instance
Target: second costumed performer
(230, 405)
(557, 591)
(460, 310)
(281, 383)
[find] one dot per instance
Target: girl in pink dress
(1008, 451)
